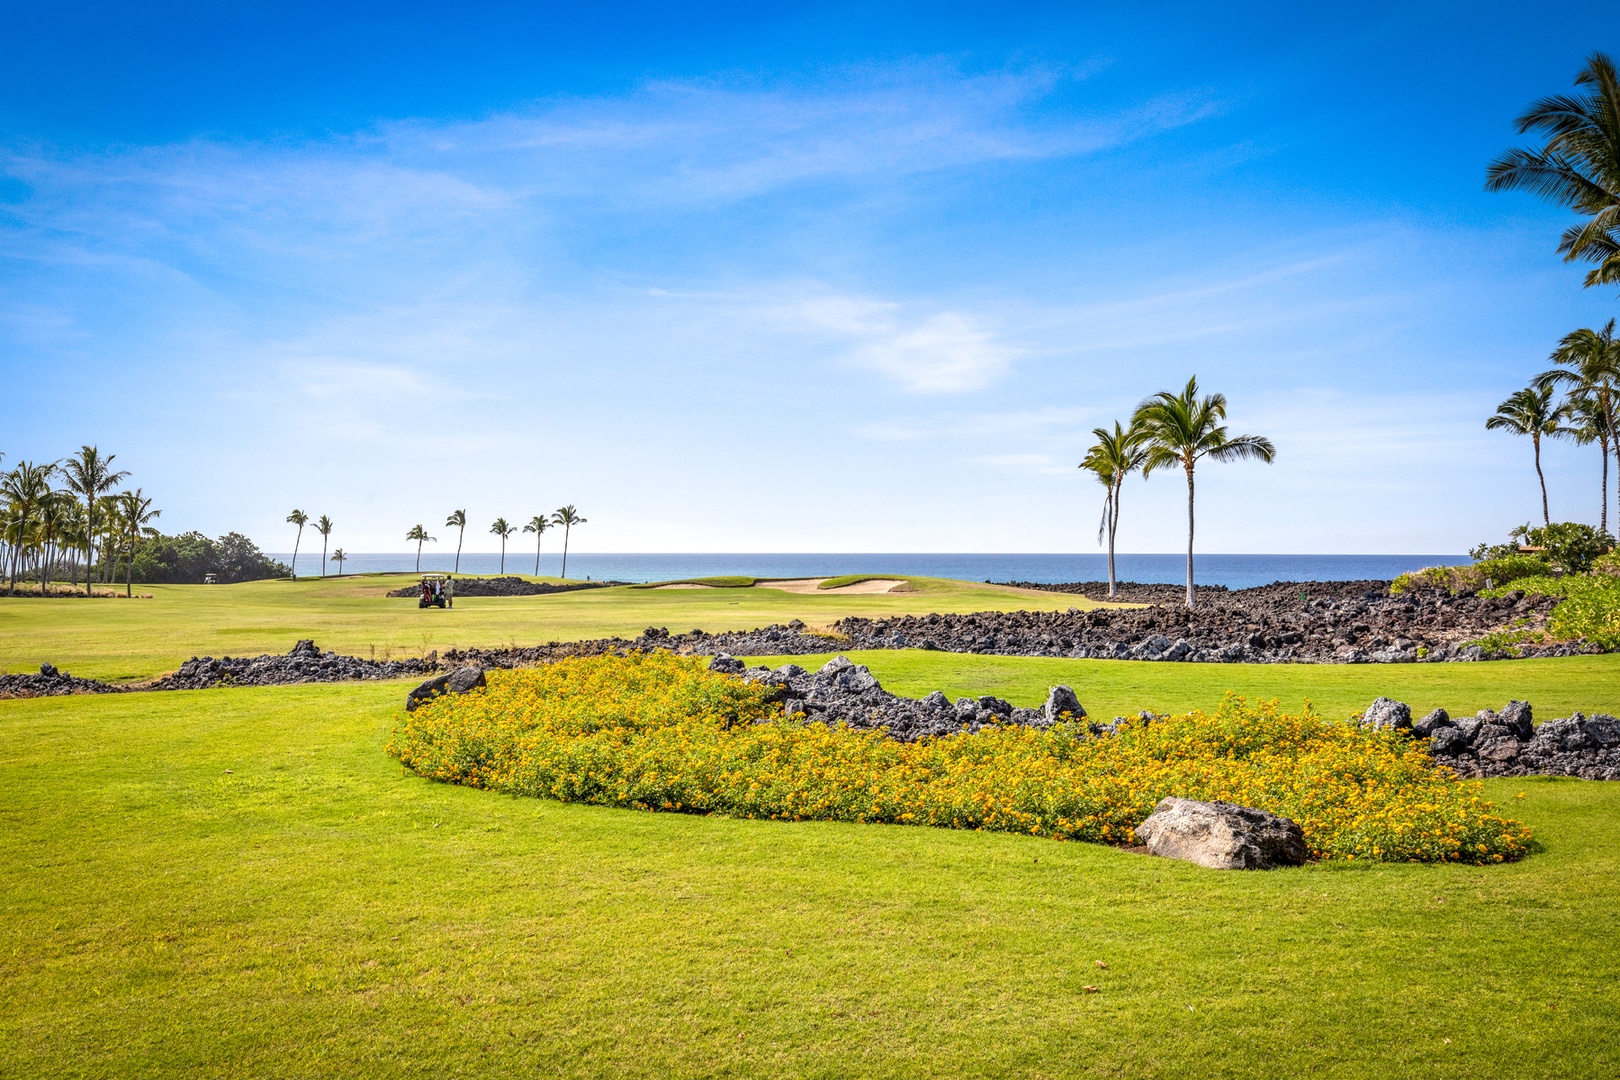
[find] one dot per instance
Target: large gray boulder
(460, 681)
(1222, 835)
(1060, 700)
(1385, 713)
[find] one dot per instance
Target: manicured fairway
(1110, 688)
(134, 639)
(239, 883)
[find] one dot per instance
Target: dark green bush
(187, 558)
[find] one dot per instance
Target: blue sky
(833, 278)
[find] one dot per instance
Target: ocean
(1233, 571)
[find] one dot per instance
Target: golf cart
(435, 593)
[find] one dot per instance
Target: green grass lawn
(1110, 688)
(240, 883)
(135, 639)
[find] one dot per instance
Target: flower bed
(659, 732)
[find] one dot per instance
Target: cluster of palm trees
(565, 518)
(1168, 429)
(45, 527)
(324, 526)
(1576, 400)
(1578, 167)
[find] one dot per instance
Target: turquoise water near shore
(1232, 571)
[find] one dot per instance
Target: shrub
(1590, 607)
(659, 732)
(1493, 572)
(1568, 545)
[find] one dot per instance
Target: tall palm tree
(1579, 167)
(457, 520)
(1589, 363)
(25, 490)
(54, 515)
(300, 519)
(338, 555)
(1589, 424)
(567, 517)
(324, 526)
(421, 537)
(501, 529)
(135, 516)
(537, 525)
(1530, 412)
(1115, 456)
(89, 475)
(1179, 429)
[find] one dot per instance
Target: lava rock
(1384, 713)
(1062, 700)
(1222, 835)
(460, 681)
(1431, 723)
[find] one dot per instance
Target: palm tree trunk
(537, 552)
(1191, 597)
(129, 573)
(298, 540)
(1113, 524)
(1604, 521)
(323, 555)
(418, 556)
(1546, 518)
(566, 530)
(459, 537)
(503, 554)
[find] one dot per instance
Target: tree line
(64, 518)
(1578, 166)
(564, 518)
(66, 521)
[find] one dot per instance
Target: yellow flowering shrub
(660, 732)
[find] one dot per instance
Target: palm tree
(457, 520)
(1178, 429)
(502, 530)
(421, 537)
(300, 519)
(1530, 412)
(1578, 168)
(567, 517)
(25, 489)
(1115, 456)
(1589, 363)
(324, 527)
(537, 525)
(338, 555)
(136, 516)
(1590, 425)
(89, 476)
(54, 515)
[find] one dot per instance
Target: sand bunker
(812, 585)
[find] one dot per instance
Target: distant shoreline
(1231, 571)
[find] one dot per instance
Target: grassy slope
(131, 639)
(1111, 688)
(235, 883)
